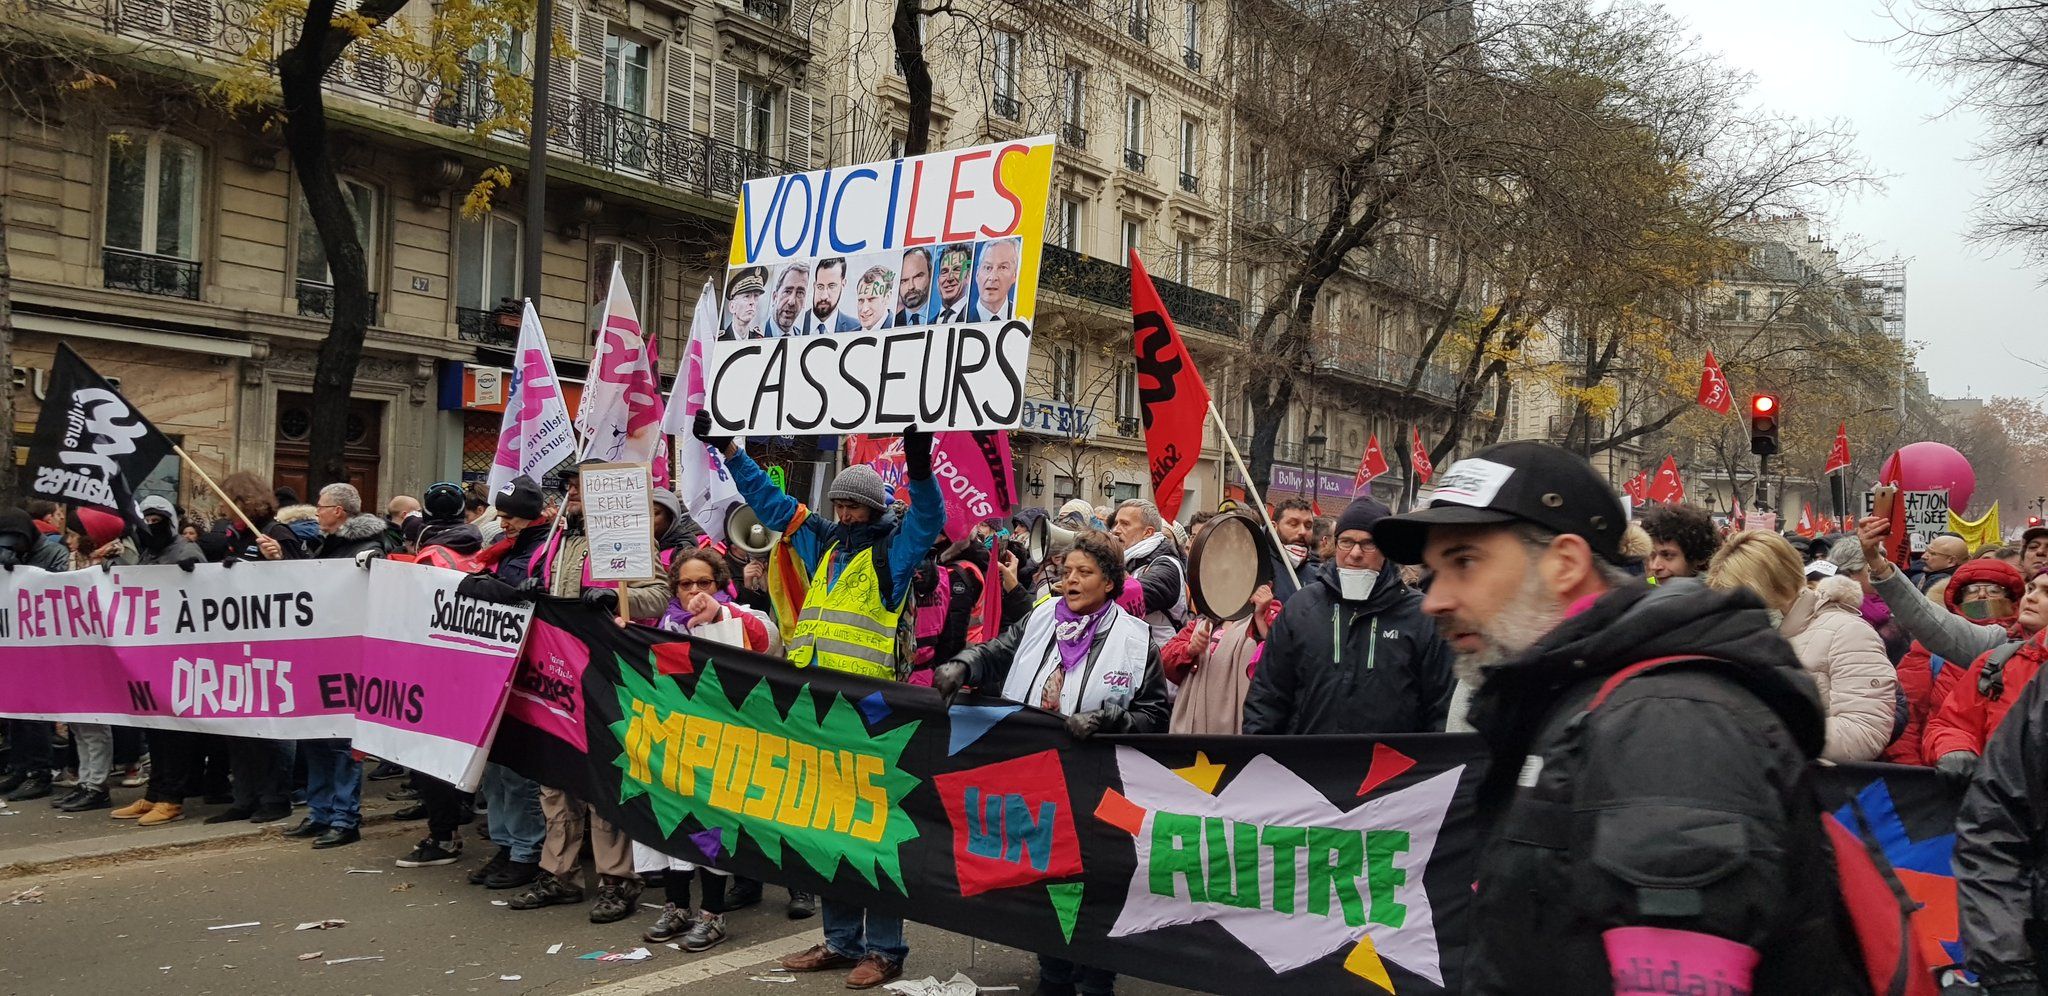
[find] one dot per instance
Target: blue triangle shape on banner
(970, 722)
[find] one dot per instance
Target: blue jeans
(851, 931)
(334, 784)
(1058, 973)
(512, 813)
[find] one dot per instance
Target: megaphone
(744, 530)
(1045, 537)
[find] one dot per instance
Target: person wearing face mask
(1981, 591)
(1980, 699)
(1352, 652)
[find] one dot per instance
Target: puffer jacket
(1968, 719)
(1679, 803)
(1926, 678)
(2001, 847)
(1848, 664)
(361, 533)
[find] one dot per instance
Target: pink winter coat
(1847, 660)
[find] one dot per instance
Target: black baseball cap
(1539, 483)
(2031, 535)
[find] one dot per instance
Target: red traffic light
(2033, 520)
(1764, 404)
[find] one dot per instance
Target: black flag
(91, 444)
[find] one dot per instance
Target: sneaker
(11, 781)
(432, 852)
(705, 933)
(416, 811)
(872, 971)
(612, 904)
(165, 812)
(547, 890)
(673, 922)
(134, 810)
(77, 792)
(743, 892)
(35, 786)
(404, 793)
(90, 800)
(68, 778)
(234, 814)
(138, 775)
(802, 906)
(385, 771)
(514, 875)
(489, 868)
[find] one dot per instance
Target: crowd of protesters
(1636, 683)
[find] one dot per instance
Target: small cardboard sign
(618, 515)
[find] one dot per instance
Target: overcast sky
(1967, 306)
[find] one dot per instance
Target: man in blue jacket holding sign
(860, 563)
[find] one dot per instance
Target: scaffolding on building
(1881, 289)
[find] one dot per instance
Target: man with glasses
(1352, 651)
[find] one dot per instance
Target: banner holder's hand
(706, 433)
(917, 453)
(947, 679)
(1082, 725)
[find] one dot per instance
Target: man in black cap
(2033, 550)
(1644, 806)
(1352, 651)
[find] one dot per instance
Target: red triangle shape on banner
(1387, 764)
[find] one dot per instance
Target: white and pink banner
(535, 434)
(620, 416)
(703, 485)
(390, 658)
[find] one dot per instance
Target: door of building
(294, 427)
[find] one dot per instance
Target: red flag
(1175, 401)
(1806, 525)
(1372, 465)
(1423, 468)
(1638, 488)
(1828, 524)
(1667, 487)
(1714, 393)
(1838, 457)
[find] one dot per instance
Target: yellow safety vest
(845, 627)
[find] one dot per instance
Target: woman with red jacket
(1956, 735)
(1984, 591)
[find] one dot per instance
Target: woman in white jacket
(1835, 645)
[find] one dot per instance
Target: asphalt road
(123, 910)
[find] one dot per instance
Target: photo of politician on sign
(872, 298)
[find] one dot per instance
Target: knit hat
(101, 528)
(860, 483)
(1360, 515)
(15, 522)
(667, 499)
(1847, 554)
(161, 506)
(520, 498)
(1996, 572)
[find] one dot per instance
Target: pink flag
(972, 468)
(621, 412)
(535, 434)
(705, 487)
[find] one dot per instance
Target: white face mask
(1355, 583)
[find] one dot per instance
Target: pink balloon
(1931, 466)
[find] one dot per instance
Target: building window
(1742, 306)
(635, 266)
(1135, 145)
(1190, 155)
(315, 284)
(1008, 45)
(1074, 106)
(1126, 392)
(1065, 489)
(1191, 35)
(626, 73)
(486, 261)
(1134, 237)
(1184, 261)
(1141, 20)
(1777, 302)
(1261, 192)
(151, 239)
(1066, 372)
(1069, 234)
(757, 116)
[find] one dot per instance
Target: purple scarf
(1075, 633)
(1875, 612)
(677, 618)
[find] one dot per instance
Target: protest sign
(973, 470)
(1760, 522)
(90, 445)
(391, 657)
(618, 515)
(1925, 514)
(874, 297)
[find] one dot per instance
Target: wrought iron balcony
(1007, 107)
(1345, 353)
(1192, 58)
(1129, 427)
(1134, 160)
(1191, 183)
(1140, 27)
(316, 299)
(1073, 136)
(149, 273)
(773, 11)
(484, 328)
(1103, 282)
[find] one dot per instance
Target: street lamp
(1314, 442)
(1036, 482)
(1108, 484)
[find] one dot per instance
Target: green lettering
(1382, 878)
(1336, 859)
(1239, 860)
(1177, 850)
(1284, 841)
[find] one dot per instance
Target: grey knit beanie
(860, 483)
(1847, 554)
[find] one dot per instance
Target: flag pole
(1258, 501)
(215, 488)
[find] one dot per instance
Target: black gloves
(947, 679)
(1960, 764)
(485, 588)
(1108, 719)
(917, 453)
(701, 427)
(189, 564)
(601, 598)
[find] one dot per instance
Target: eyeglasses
(1984, 591)
(317, 507)
(1348, 545)
(707, 584)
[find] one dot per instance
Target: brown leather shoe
(818, 959)
(872, 971)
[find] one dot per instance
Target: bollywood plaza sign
(391, 657)
(875, 297)
(1926, 513)
(1314, 864)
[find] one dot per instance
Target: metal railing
(316, 299)
(1191, 183)
(149, 273)
(1007, 107)
(1128, 426)
(773, 11)
(1192, 58)
(1343, 352)
(484, 327)
(1099, 280)
(1140, 27)
(1134, 160)
(1073, 136)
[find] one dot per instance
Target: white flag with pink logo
(536, 433)
(621, 412)
(702, 482)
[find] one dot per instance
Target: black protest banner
(1907, 815)
(90, 444)
(1321, 864)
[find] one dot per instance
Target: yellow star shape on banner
(1203, 774)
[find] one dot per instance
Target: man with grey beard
(1647, 822)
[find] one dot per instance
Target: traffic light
(1763, 424)
(2033, 520)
